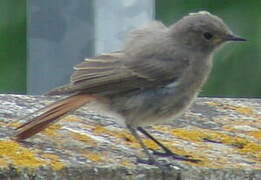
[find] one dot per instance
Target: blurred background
(237, 67)
(12, 46)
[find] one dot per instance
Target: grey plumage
(158, 65)
(154, 78)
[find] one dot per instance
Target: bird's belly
(152, 107)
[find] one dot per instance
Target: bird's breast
(158, 105)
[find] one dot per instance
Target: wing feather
(100, 69)
(116, 73)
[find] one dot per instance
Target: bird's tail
(51, 114)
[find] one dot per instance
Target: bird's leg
(167, 152)
(151, 160)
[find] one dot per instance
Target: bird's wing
(116, 73)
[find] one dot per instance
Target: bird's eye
(207, 35)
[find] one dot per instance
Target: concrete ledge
(223, 133)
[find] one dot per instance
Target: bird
(153, 79)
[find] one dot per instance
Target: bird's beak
(231, 37)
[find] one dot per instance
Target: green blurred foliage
(237, 66)
(12, 46)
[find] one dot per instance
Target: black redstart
(152, 80)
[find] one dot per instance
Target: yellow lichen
(211, 103)
(151, 144)
(191, 135)
(12, 153)
(3, 163)
(175, 149)
(10, 124)
(256, 134)
(132, 142)
(242, 145)
(83, 138)
(71, 118)
(101, 130)
(94, 157)
(240, 109)
(126, 163)
(54, 161)
(197, 135)
(243, 110)
(126, 136)
(123, 135)
(52, 130)
(200, 136)
(252, 149)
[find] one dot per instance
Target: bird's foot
(175, 156)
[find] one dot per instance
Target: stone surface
(223, 133)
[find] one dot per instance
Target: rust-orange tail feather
(51, 114)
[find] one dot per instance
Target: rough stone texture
(223, 133)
